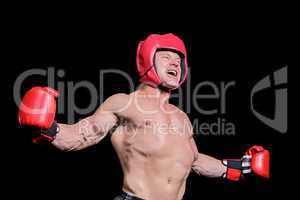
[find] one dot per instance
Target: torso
(154, 149)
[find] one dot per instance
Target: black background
(219, 49)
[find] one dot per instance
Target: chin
(171, 86)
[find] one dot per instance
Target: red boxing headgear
(145, 56)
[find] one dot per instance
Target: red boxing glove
(260, 161)
(38, 108)
(256, 159)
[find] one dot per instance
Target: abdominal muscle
(156, 181)
(154, 170)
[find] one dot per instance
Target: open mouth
(172, 72)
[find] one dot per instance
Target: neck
(155, 93)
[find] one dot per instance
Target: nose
(175, 63)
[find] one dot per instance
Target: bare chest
(156, 136)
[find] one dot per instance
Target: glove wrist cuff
(235, 168)
(47, 134)
(52, 131)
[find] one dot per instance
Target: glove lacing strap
(236, 168)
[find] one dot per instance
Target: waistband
(126, 196)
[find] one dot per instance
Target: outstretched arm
(256, 159)
(38, 108)
(90, 130)
(206, 165)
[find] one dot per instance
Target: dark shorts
(126, 196)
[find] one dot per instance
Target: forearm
(78, 136)
(208, 166)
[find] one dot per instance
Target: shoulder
(184, 119)
(118, 97)
(116, 102)
(180, 112)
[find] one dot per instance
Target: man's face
(167, 64)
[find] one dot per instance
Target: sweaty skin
(153, 138)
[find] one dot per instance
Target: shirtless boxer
(153, 138)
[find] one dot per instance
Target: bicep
(207, 165)
(105, 116)
(99, 123)
(90, 130)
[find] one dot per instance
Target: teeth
(172, 72)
